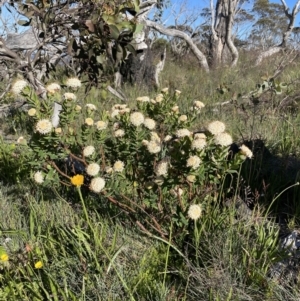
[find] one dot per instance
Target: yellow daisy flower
(38, 265)
(77, 180)
(4, 257)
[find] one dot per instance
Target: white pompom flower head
(73, 82)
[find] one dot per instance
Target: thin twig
(157, 228)
(58, 170)
(122, 206)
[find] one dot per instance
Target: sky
(197, 3)
(195, 7)
(191, 8)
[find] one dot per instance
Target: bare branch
(2, 2)
(116, 93)
(4, 51)
(286, 35)
(286, 8)
(177, 33)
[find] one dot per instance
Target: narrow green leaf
(114, 32)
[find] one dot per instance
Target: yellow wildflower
(38, 265)
(4, 257)
(77, 180)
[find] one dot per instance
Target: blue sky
(199, 3)
(195, 6)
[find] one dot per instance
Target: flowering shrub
(145, 159)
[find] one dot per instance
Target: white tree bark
(2, 2)
(177, 33)
(160, 67)
(267, 53)
(222, 19)
(233, 50)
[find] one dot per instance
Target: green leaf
(24, 22)
(136, 4)
(183, 219)
(130, 48)
(114, 31)
(232, 171)
(100, 58)
(125, 25)
(138, 28)
(283, 85)
(278, 90)
(108, 19)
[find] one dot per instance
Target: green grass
(99, 254)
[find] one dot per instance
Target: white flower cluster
(101, 125)
(195, 212)
(216, 127)
(162, 168)
(191, 178)
(193, 162)
(159, 98)
(119, 133)
(199, 141)
(31, 112)
(39, 177)
(149, 123)
(58, 131)
(91, 107)
(167, 138)
(119, 109)
(197, 106)
(73, 82)
(108, 169)
(137, 118)
(97, 184)
(154, 145)
(69, 96)
(182, 118)
(244, 150)
(18, 86)
(223, 139)
(53, 88)
(89, 121)
(143, 99)
(44, 126)
(175, 109)
(200, 136)
(183, 133)
(21, 140)
(177, 191)
(88, 150)
(118, 166)
(93, 169)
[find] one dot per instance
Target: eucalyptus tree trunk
(221, 27)
(140, 69)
